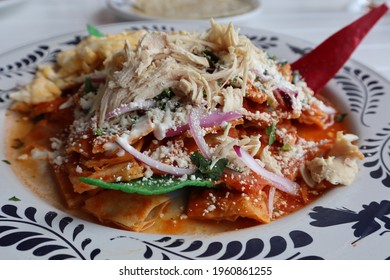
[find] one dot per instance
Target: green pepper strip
(150, 186)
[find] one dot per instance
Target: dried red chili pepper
(320, 65)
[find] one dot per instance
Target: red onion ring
(271, 196)
(197, 133)
(277, 181)
(210, 120)
(177, 171)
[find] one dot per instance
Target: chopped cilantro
(273, 57)
(340, 117)
(163, 98)
(211, 57)
(270, 131)
(88, 85)
(14, 198)
(166, 93)
(6, 161)
(286, 147)
(205, 168)
(99, 132)
(270, 101)
(93, 31)
(149, 186)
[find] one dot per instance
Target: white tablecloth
(34, 20)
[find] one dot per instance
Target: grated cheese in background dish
(191, 9)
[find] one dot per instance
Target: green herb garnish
(88, 86)
(211, 57)
(149, 186)
(286, 147)
(272, 57)
(14, 198)
(165, 94)
(205, 168)
(93, 31)
(270, 101)
(340, 117)
(99, 132)
(163, 98)
(270, 131)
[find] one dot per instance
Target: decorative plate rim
(34, 229)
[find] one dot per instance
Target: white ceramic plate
(347, 223)
(125, 9)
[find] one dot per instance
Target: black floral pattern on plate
(264, 42)
(299, 50)
(55, 238)
(376, 151)
(365, 222)
(28, 63)
(4, 95)
(169, 247)
(363, 90)
(153, 28)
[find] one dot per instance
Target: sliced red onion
(197, 132)
(271, 197)
(327, 109)
(177, 171)
(277, 181)
(99, 80)
(210, 120)
(288, 96)
(129, 107)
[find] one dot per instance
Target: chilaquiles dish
(131, 123)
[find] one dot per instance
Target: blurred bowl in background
(222, 10)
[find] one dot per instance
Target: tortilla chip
(127, 210)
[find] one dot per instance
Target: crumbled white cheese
(39, 153)
(79, 169)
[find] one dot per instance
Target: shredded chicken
(270, 162)
(178, 61)
(340, 167)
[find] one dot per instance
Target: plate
(347, 223)
(126, 9)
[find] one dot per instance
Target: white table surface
(312, 20)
